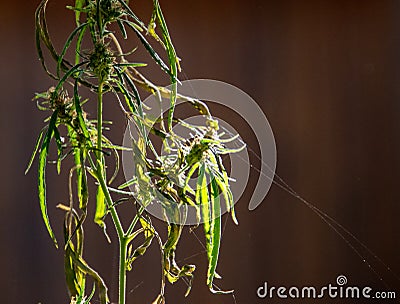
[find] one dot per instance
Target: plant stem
(99, 127)
(135, 220)
(123, 244)
(122, 240)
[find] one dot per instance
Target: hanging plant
(103, 68)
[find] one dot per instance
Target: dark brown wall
(326, 74)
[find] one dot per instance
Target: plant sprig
(105, 69)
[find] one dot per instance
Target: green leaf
(41, 35)
(189, 176)
(211, 215)
(37, 145)
(42, 174)
(173, 59)
(223, 181)
(135, 94)
(171, 269)
(81, 297)
(101, 208)
(126, 94)
(150, 49)
(134, 108)
(67, 44)
(101, 286)
(79, 45)
(202, 199)
(122, 29)
(89, 298)
(74, 277)
(130, 13)
(230, 151)
(128, 183)
(148, 232)
(131, 64)
(228, 197)
(71, 274)
(79, 112)
(114, 150)
(71, 71)
(214, 232)
(83, 192)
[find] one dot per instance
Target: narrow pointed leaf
(39, 33)
(122, 29)
(67, 44)
(150, 49)
(131, 13)
(101, 208)
(42, 174)
(131, 64)
(215, 236)
(79, 112)
(215, 232)
(79, 45)
(173, 60)
(37, 145)
(149, 232)
(69, 73)
(203, 199)
(83, 191)
(102, 287)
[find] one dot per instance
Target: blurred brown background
(326, 73)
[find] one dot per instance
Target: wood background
(326, 74)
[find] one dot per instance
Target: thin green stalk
(135, 220)
(122, 238)
(99, 127)
(123, 244)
